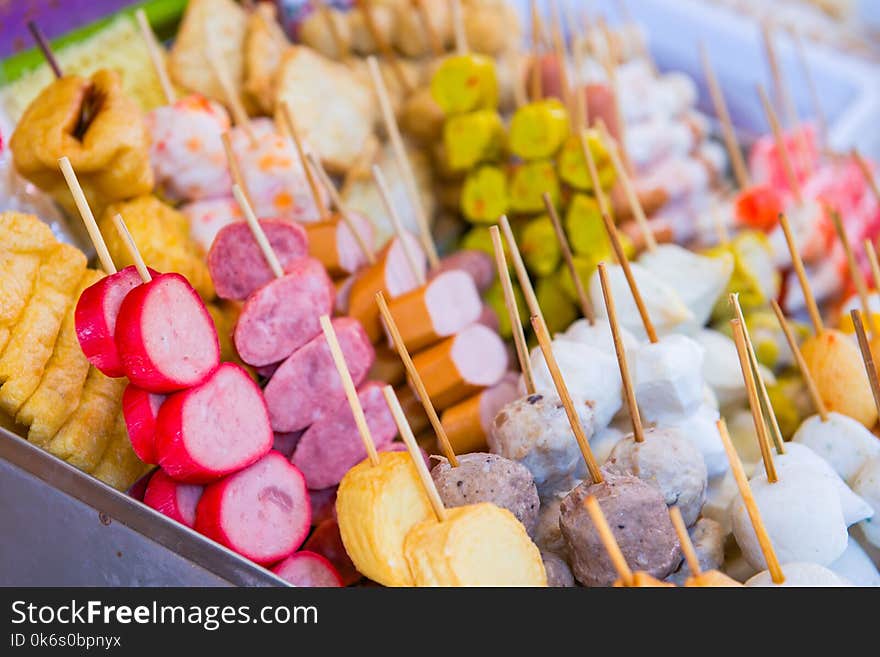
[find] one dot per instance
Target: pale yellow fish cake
(16, 288)
(60, 389)
(119, 467)
(24, 233)
(33, 337)
(86, 434)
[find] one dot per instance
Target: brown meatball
(639, 520)
(558, 573)
(547, 534)
(482, 477)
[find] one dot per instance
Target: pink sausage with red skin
(283, 315)
(140, 410)
(96, 312)
(306, 386)
(332, 445)
(308, 569)
(176, 500)
(327, 542)
(213, 429)
(477, 264)
(165, 336)
(262, 512)
(238, 268)
(285, 443)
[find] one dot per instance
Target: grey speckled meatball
(482, 477)
(534, 431)
(558, 573)
(547, 534)
(669, 461)
(638, 517)
(708, 539)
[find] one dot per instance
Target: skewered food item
(867, 485)
(841, 441)
(707, 537)
(141, 410)
(468, 423)
(800, 574)
(264, 46)
(176, 500)
(558, 572)
(306, 568)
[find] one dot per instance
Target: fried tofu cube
(119, 467)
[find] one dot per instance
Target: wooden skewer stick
(875, 265)
(329, 19)
(867, 356)
(45, 48)
(234, 169)
(461, 43)
(867, 173)
(593, 172)
(780, 89)
(317, 197)
(435, 43)
(133, 250)
(522, 274)
(416, 380)
(742, 482)
(559, 382)
(784, 155)
(630, 278)
(559, 49)
(414, 452)
(583, 299)
(88, 218)
(383, 47)
(818, 111)
(608, 540)
(854, 272)
(687, 546)
(519, 338)
(354, 403)
(341, 208)
(620, 351)
(610, 62)
(733, 299)
(536, 83)
(257, 231)
(754, 403)
(801, 363)
(740, 170)
(155, 53)
(218, 67)
(399, 230)
(403, 163)
(628, 187)
(798, 264)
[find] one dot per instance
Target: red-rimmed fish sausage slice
(176, 500)
(308, 569)
(140, 410)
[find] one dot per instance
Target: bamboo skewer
(341, 45)
(416, 380)
(218, 68)
(818, 111)
(519, 267)
(867, 173)
(628, 187)
(519, 338)
(132, 248)
(733, 299)
(461, 43)
(784, 155)
(559, 49)
(155, 53)
(687, 546)
(801, 363)
(583, 299)
(740, 170)
(536, 83)
(754, 403)
(867, 356)
(382, 45)
(351, 395)
(234, 169)
(257, 231)
(875, 265)
(88, 217)
(742, 483)
(397, 224)
(610, 63)
(854, 272)
(608, 540)
(620, 352)
(435, 43)
(593, 172)
(287, 119)
(403, 163)
(341, 208)
(780, 89)
(798, 264)
(559, 382)
(414, 452)
(45, 48)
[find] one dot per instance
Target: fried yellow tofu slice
(264, 46)
(33, 337)
(24, 233)
(119, 467)
(59, 391)
(334, 107)
(82, 440)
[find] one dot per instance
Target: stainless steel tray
(61, 527)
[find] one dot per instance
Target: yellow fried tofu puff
(119, 466)
(163, 237)
(376, 506)
(474, 545)
(100, 129)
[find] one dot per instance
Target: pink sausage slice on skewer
(213, 429)
(140, 410)
(238, 268)
(308, 569)
(261, 512)
(283, 315)
(306, 386)
(165, 336)
(176, 500)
